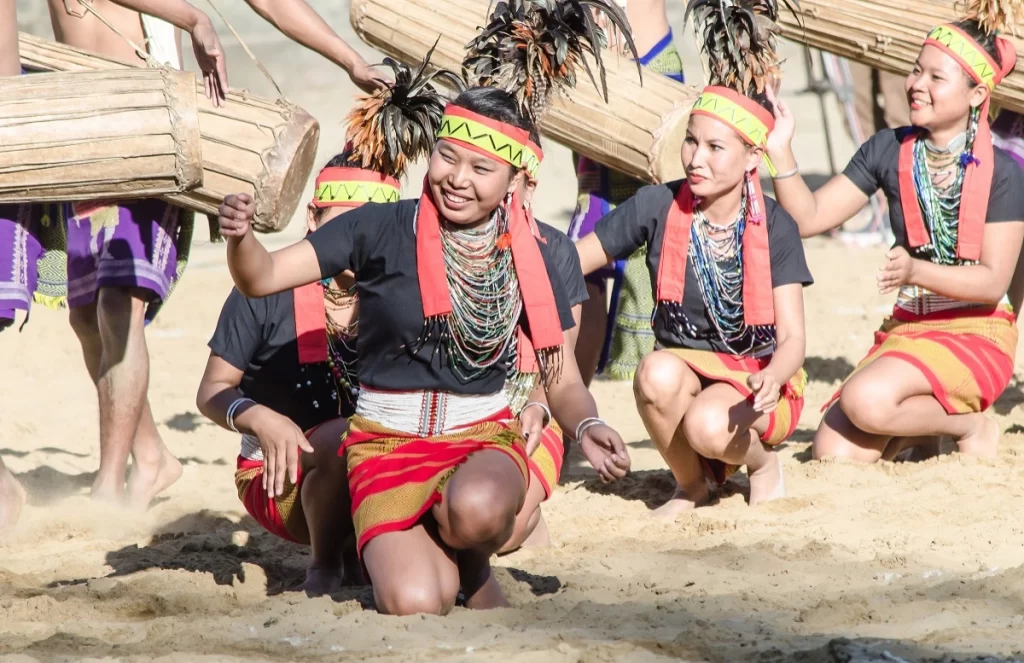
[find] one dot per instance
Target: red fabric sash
(758, 304)
(310, 323)
(538, 297)
(978, 174)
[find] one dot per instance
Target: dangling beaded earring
(967, 156)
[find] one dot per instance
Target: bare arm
(205, 43)
(985, 283)
(300, 23)
(280, 439)
(818, 212)
(255, 271)
(592, 255)
(790, 334)
(10, 63)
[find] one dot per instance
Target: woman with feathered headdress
(957, 209)
(725, 382)
(519, 51)
(437, 465)
(290, 476)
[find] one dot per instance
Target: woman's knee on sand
(481, 501)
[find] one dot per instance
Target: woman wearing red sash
(956, 204)
(436, 463)
(282, 369)
(724, 383)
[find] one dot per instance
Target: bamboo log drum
(250, 145)
(639, 132)
(89, 135)
(886, 36)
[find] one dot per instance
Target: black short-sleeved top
(257, 336)
(641, 220)
(876, 166)
(567, 263)
(378, 243)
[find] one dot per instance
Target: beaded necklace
(341, 351)
(486, 302)
(939, 189)
(716, 253)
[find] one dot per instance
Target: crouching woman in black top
(282, 368)
(437, 464)
(725, 383)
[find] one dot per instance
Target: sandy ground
(913, 562)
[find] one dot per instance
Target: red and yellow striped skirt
(273, 514)
(395, 477)
(966, 355)
(734, 371)
(545, 462)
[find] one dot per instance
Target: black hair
(762, 100)
(499, 105)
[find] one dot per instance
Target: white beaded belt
(251, 449)
(921, 301)
(427, 412)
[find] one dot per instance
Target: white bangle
(233, 408)
(585, 424)
(788, 173)
(547, 412)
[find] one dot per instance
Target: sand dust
(926, 557)
(911, 562)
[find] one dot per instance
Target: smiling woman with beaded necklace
(436, 463)
(290, 476)
(724, 384)
(957, 206)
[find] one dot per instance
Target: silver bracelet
(547, 412)
(585, 424)
(788, 173)
(233, 408)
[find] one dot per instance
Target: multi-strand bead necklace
(939, 178)
(716, 253)
(341, 339)
(486, 302)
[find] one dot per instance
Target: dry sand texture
(916, 561)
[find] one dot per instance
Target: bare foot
(321, 581)
(680, 503)
(983, 441)
(488, 596)
(149, 479)
(352, 567)
(12, 499)
(766, 482)
(540, 537)
(479, 586)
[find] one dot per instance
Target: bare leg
(12, 499)
(326, 505)
(154, 468)
(476, 517)
(892, 397)
(722, 424)
(528, 519)
(593, 329)
(412, 572)
(664, 388)
(837, 437)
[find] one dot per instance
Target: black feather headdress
(395, 126)
(534, 48)
(738, 41)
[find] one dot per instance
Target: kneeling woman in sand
(282, 368)
(956, 204)
(437, 465)
(724, 383)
